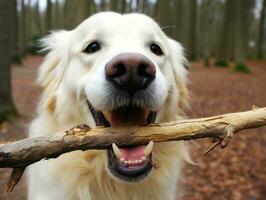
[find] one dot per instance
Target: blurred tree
(207, 28)
(178, 22)
(28, 23)
(226, 39)
(38, 19)
(7, 108)
(84, 10)
(191, 32)
(162, 10)
(23, 30)
(138, 7)
(65, 14)
(123, 6)
(130, 6)
(57, 14)
(70, 20)
(261, 32)
(48, 16)
(144, 6)
(206, 22)
(241, 33)
(103, 5)
(242, 19)
(15, 57)
(114, 5)
(239, 53)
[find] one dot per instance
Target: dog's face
(126, 71)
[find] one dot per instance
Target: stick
(19, 155)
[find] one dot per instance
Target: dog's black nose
(130, 72)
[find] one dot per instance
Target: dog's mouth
(127, 163)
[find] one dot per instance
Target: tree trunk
(7, 108)
(85, 10)
(38, 19)
(23, 30)
(94, 7)
(191, 40)
(178, 12)
(114, 5)
(223, 54)
(137, 8)
(241, 33)
(103, 5)
(57, 15)
(204, 31)
(28, 24)
(162, 14)
(14, 32)
(130, 7)
(48, 16)
(261, 33)
(144, 6)
(123, 6)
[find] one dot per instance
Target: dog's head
(111, 70)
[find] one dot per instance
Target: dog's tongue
(132, 115)
(133, 153)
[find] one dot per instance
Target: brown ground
(237, 172)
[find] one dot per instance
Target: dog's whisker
(165, 27)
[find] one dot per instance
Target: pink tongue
(133, 153)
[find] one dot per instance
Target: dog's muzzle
(130, 72)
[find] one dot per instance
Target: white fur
(69, 76)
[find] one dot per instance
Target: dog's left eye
(92, 47)
(156, 49)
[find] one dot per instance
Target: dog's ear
(53, 67)
(179, 65)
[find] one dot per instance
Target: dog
(111, 70)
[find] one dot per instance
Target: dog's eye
(156, 49)
(92, 47)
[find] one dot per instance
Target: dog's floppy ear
(179, 65)
(53, 67)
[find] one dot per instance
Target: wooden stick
(19, 155)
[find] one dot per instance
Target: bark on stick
(19, 155)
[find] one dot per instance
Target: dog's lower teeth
(133, 162)
(143, 158)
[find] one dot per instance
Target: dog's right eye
(92, 47)
(156, 49)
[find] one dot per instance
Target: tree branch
(19, 155)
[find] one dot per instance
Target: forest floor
(237, 172)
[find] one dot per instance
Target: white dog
(111, 69)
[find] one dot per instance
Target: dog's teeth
(116, 151)
(122, 159)
(143, 158)
(148, 149)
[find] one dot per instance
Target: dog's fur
(69, 77)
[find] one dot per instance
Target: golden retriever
(111, 69)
